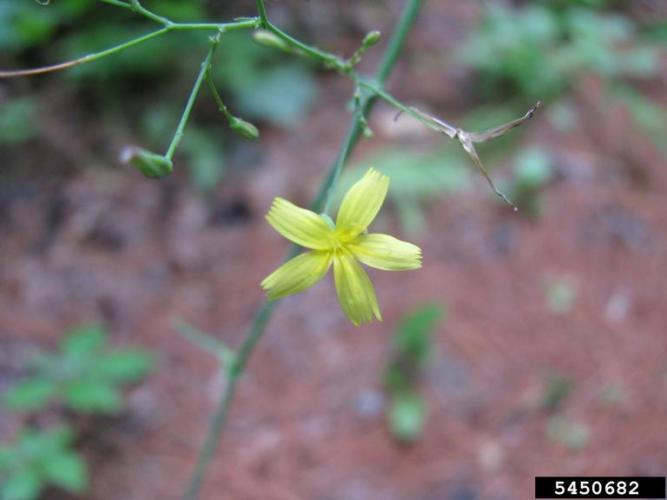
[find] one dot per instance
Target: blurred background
(531, 343)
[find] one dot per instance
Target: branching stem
(368, 89)
(203, 70)
(263, 314)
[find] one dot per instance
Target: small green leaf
(67, 471)
(30, 395)
(83, 342)
(35, 443)
(22, 485)
(556, 390)
(413, 338)
(407, 416)
(93, 396)
(124, 365)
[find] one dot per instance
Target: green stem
(219, 418)
(85, 59)
(139, 9)
(250, 23)
(313, 52)
(118, 3)
(220, 27)
(386, 96)
(216, 96)
(263, 314)
(203, 70)
(263, 17)
(368, 100)
(319, 55)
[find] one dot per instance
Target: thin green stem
(118, 3)
(263, 17)
(244, 24)
(386, 96)
(206, 63)
(397, 40)
(220, 27)
(319, 55)
(322, 202)
(368, 100)
(139, 9)
(219, 417)
(216, 96)
(263, 314)
(85, 59)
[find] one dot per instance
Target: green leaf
(413, 339)
(407, 416)
(556, 389)
(83, 342)
(30, 395)
(93, 396)
(43, 443)
(124, 365)
(22, 485)
(67, 471)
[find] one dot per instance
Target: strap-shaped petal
(297, 274)
(299, 225)
(362, 203)
(355, 290)
(385, 252)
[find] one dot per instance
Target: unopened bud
(148, 163)
(368, 132)
(371, 38)
(268, 39)
(244, 128)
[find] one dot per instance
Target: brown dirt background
(108, 245)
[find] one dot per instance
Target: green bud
(244, 128)
(368, 132)
(371, 38)
(148, 163)
(268, 39)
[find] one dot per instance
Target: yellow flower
(344, 245)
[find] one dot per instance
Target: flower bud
(268, 39)
(371, 38)
(367, 132)
(148, 163)
(244, 128)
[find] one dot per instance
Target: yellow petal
(299, 225)
(382, 251)
(362, 203)
(355, 290)
(297, 274)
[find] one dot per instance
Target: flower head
(344, 244)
